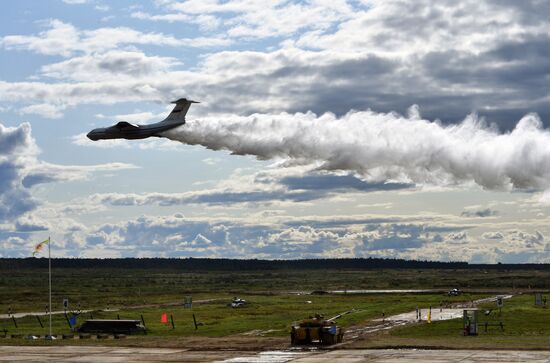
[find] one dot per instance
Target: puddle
(268, 357)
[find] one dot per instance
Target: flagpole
(50, 282)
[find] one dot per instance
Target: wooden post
(50, 281)
(118, 316)
(195, 322)
(68, 321)
(172, 321)
(39, 321)
(142, 320)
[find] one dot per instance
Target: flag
(164, 318)
(39, 247)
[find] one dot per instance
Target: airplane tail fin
(179, 112)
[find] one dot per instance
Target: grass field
(26, 290)
(269, 315)
(525, 326)
(277, 298)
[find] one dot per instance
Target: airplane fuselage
(131, 133)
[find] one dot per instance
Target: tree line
(226, 264)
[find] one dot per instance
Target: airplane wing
(126, 125)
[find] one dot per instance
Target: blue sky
(326, 129)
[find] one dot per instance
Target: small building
(99, 326)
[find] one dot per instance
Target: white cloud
(108, 66)
(44, 110)
(211, 161)
(405, 28)
(102, 7)
(20, 169)
(493, 235)
(17, 148)
(64, 39)
(449, 57)
(271, 237)
(256, 19)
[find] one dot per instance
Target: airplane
(129, 131)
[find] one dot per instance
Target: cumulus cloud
(493, 235)
(29, 223)
(109, 65)
(20, 169)
(370, 59)
(255, 19)
(327, 57)
(357, 58)
(45, 110)
(66, 40)
(177, 235)
(16, 146)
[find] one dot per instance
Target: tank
(316, 330)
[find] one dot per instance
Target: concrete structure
(123, 354)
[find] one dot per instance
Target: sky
(325, 129)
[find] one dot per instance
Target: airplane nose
(92, 136)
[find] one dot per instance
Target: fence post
(39, 321)
(68, 321)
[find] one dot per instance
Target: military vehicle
(316, 330)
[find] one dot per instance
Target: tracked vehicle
(316, 330)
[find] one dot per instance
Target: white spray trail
(380, 146)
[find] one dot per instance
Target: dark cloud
(385, 57)
(20, 169)
(338, 182)
(26, 226)
(34, 179)
(302, 188)
(481, 213)
(16, 150)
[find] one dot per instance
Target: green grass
(272, 308)
(273, 313)
(525, 326)
(26, 290)
(519, 316)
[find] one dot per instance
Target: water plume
(387, 146)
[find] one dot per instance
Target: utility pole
(50, 281)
